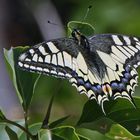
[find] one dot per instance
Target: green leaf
(9, 59)
(121, 105)
(85, 28)
(3, 133)
(118, 111)
(105, 129)
(58, 122)
(65, 132)
(47, 117)
(24, 82)
(47, 135)
(2, 117)
(44, 134)
(120, 133)
(101, 125)
(88, 134)
(12, 135)
(82, 137)
(121, 112)
(58, 133)
(91, 112)
(133, 126)
(34, 129)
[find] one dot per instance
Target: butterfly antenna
(88, 9)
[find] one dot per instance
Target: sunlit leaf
(45, 135)
(66, 132)
(82, 137)
(34, 129)
(91, 134)
(58, 133)
(119, 132)
(24, 82)
(9, 59)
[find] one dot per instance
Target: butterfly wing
(119, 56)
(107, 70)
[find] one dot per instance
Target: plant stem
(26, 123)
(21, 127)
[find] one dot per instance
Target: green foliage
(58, 122)
(23, 81)
(83, 27)
(66, 132)
(2, 116)
(118, 111)
(89, 134)
(118, 132)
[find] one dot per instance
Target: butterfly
(102, 66)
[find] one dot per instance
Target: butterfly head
(80, 38)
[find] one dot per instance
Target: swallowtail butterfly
(101, 66)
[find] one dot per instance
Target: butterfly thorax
(80, 38)
(88, 49)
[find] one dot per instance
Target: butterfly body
(102, 66)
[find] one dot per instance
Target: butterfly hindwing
(121, 55)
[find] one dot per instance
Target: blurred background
(24, 22)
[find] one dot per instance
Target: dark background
(24, 22)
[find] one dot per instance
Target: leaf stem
(21, 127)
(26, 123)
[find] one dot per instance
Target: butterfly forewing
(48, 59)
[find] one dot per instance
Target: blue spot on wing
(127, 75)
(114, 85)
(80, 81)
(127, 68)
(121, 86)
(87, 85)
